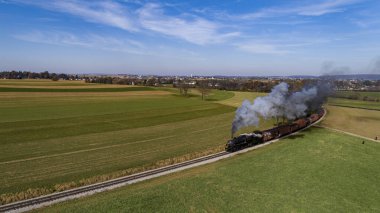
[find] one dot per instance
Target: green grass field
(106, 89)
(360, 94)
(42, 138)
(238, 98)
(358, 121)
(50, 139)
(213, 95)
(314, 171)
(40, 82)
(59, 135)
(219, 95)
(354, 103)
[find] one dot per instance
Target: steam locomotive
(257, 137)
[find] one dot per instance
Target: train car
(321, 112)
(270, 134)
(301, 123)
(284, 130)
(293, 127)
(267, 135)
(313, 118)
(278, 131)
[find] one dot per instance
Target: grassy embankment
(57, 140)
(315, 171)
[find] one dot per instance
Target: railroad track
(26, 205)
(81, 190)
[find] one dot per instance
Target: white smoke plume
(296, 105)
(272, 105)
(374, 66)
(278, 103)
(245, 116)
(329, 68)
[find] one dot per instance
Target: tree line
(37, 75)
(145, 81)
(239, 84)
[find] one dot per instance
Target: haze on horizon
(271, 37)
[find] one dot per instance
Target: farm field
(47, 83)
(360, 94)
(217, 95)
(190, 106)
(358, 121)
(213, 95)
(57, 140)
(354, 103)
(105, 89)
(314, 171)
(239, 97)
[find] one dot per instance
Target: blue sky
(201, 37)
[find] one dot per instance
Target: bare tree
(183, 87)
(203, 88)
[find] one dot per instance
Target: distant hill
(355, 77)
(337, 77)
(303, 76)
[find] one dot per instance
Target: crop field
(52, 141)
(218, 95)
(354, 103)
(46, 83)
(314, 171)
(106, 89)
(358, 94)
(237, 99)
(358, 121)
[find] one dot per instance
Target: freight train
(257, 137)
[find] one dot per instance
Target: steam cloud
(375, 66)
(329, 68)
(280, 103)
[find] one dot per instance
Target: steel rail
(84, 189)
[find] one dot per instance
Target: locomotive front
(230, 145)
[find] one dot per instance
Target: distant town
(360, 82)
